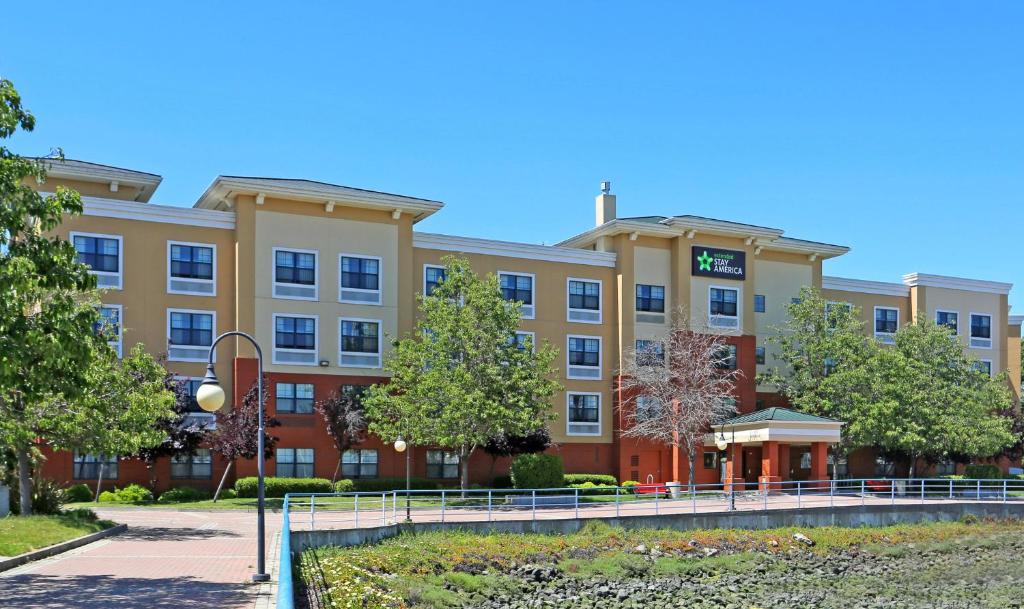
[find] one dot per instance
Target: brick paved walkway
(165, 559)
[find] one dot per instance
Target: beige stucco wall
(651, 266)
(779, 282)
(966, 302)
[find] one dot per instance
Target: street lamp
(722, 444)
(210, 397)
(400, 447)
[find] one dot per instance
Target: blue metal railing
(285, 583)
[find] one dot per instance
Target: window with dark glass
(585, 295)
(650, 353)
(109, 324)
(198, 466)
(759, 303)
(726, 358)
(950, 319)
(99, 253)
(354, 391)
(759, 355)
(583, 408)
(433, 277)
(981, 326)
(984, 366)
(723, 302)
(442, 464)
(522, 339)
(650, 298)
(359, 336)
(295, 333)
(359, 463)
(647, 408)
(360, 273)
(192, 386)
(295, 397)
(87, 467)
(584, 351)
(886, 320)
(295, 267)
(191, 262)
(517, 288)
(191, 329)
(294, 463)
(710, 460)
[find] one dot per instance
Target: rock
(640, 549)
(709, 552)
(807, 541)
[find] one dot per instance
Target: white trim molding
(295, 286)
(568, 408)
(150, 212)
(1015, 320)
(315, 351)
(425, 267)
(379, 292)
(118, 277)
(533, 338)
(342, 355)
(887, 338)
(981, 344)
(738, 328)
(581, 314)
(956, 283)
(591, 373)
(192, 353)
(949, 311)
(509, 249)
(526, 311)
(862, 286)
(212, 283)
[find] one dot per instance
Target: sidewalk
(165, 559)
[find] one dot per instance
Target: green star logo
(705, 261)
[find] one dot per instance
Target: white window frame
(533, 339)
(739, 308)
(991, 332)
(316, 274)
(425, 267)
(316, 339)
(118, 344)
(380, 342)
(212, 282)
(533, 290)
(991, 367)
(957, 313)
(568, 409)
(885, 337)
(120, 257)
(380, 280)
(600, 301)
(213, 336)
(600, 359)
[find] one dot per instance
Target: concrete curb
(16, 561)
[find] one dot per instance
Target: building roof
(777, 414)
(107, 174)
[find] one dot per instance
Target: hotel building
(321, 274)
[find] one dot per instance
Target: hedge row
(596, 479)
(279, 487)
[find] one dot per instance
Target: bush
(597, 479)
(47, 497)
(83, 514)
(589, 488)
(134, 493)
(78, 493)
(344, 486)
(983, 472)
(182, 493)
(377, 485)
(503, 481)
(279, 487)
(539, 470)
(227, 493)
(107, 496)
(630, 485)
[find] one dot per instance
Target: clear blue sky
(895, 128)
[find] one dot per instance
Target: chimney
(605, 204)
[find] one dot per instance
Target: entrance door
(645, 466)
(751, 465)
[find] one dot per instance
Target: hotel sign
(715, 262)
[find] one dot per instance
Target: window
(294, 463)
(87, 467)
(442, 464)
(584, 301)
(981, 330)
(191, 268)
(759, 304)
(726, 358)
(359, 463)
(829, 306)
(295, 274)
(723, 307)
(518, 287)
(192, 386)
(887, 321)
(647, 408)
(360, 343)
(432, 277)
(584, 357)
(650, 353)
(354, 391)
(796, 300)
(650, 298)
(884, 466)
(189, 335)
(360, 279)
(522, 339)
(759, 355)
(710, 460)
(983, 366)
(193, 467)
(295, 397)
(758, 404)
(950, 319)
(295, 340)
(109, 326)
(102, 254)
(946, 467)
(584, 417)
(830, 366)
(840, 467)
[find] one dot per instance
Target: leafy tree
(679, 385)
(505, 445)
(460, 379)
(236, 434)
(345, 421)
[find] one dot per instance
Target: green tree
(460, 379)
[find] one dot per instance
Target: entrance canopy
(776, 425)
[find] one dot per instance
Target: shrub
(279, 487)
(83, 514)
(134, 493)
(630, 485)
(539, 470)
(227, 493)
(344, 486)
(107, 496)
(182, 493)
(47, 497)
(503, 481)
(78, 493)
(377, 485)
(983, 472)
(589, 488)
(597, 479)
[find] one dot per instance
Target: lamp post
(722, 444)
(401, 446)
(210, 397)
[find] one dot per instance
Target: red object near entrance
(650, 489)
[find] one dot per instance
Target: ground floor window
(359, 463)
(710, 460)
(884, 466)
(295, 463)
(193, 467)
(945, 468)
(87, 467)
(442, 464)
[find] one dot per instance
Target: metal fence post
(357, 512)
(979, 489)
(863, 492)
(576, 501)
(534, 503)
(657, 496)
(442, 505)
(693, 497)
(616, 502)
(312, 512)
(383, 508)
(1004, 491)
(892, 492)
(831, 493)
(490, 513)
(799, 501)
(922, 491)
(767, 486)
(394, 506)
(950, 488)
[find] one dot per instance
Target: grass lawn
(23, 534)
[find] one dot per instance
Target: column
(734, 468)
(769, 479)
(819, 461)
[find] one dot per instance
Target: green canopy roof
(777, 414)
